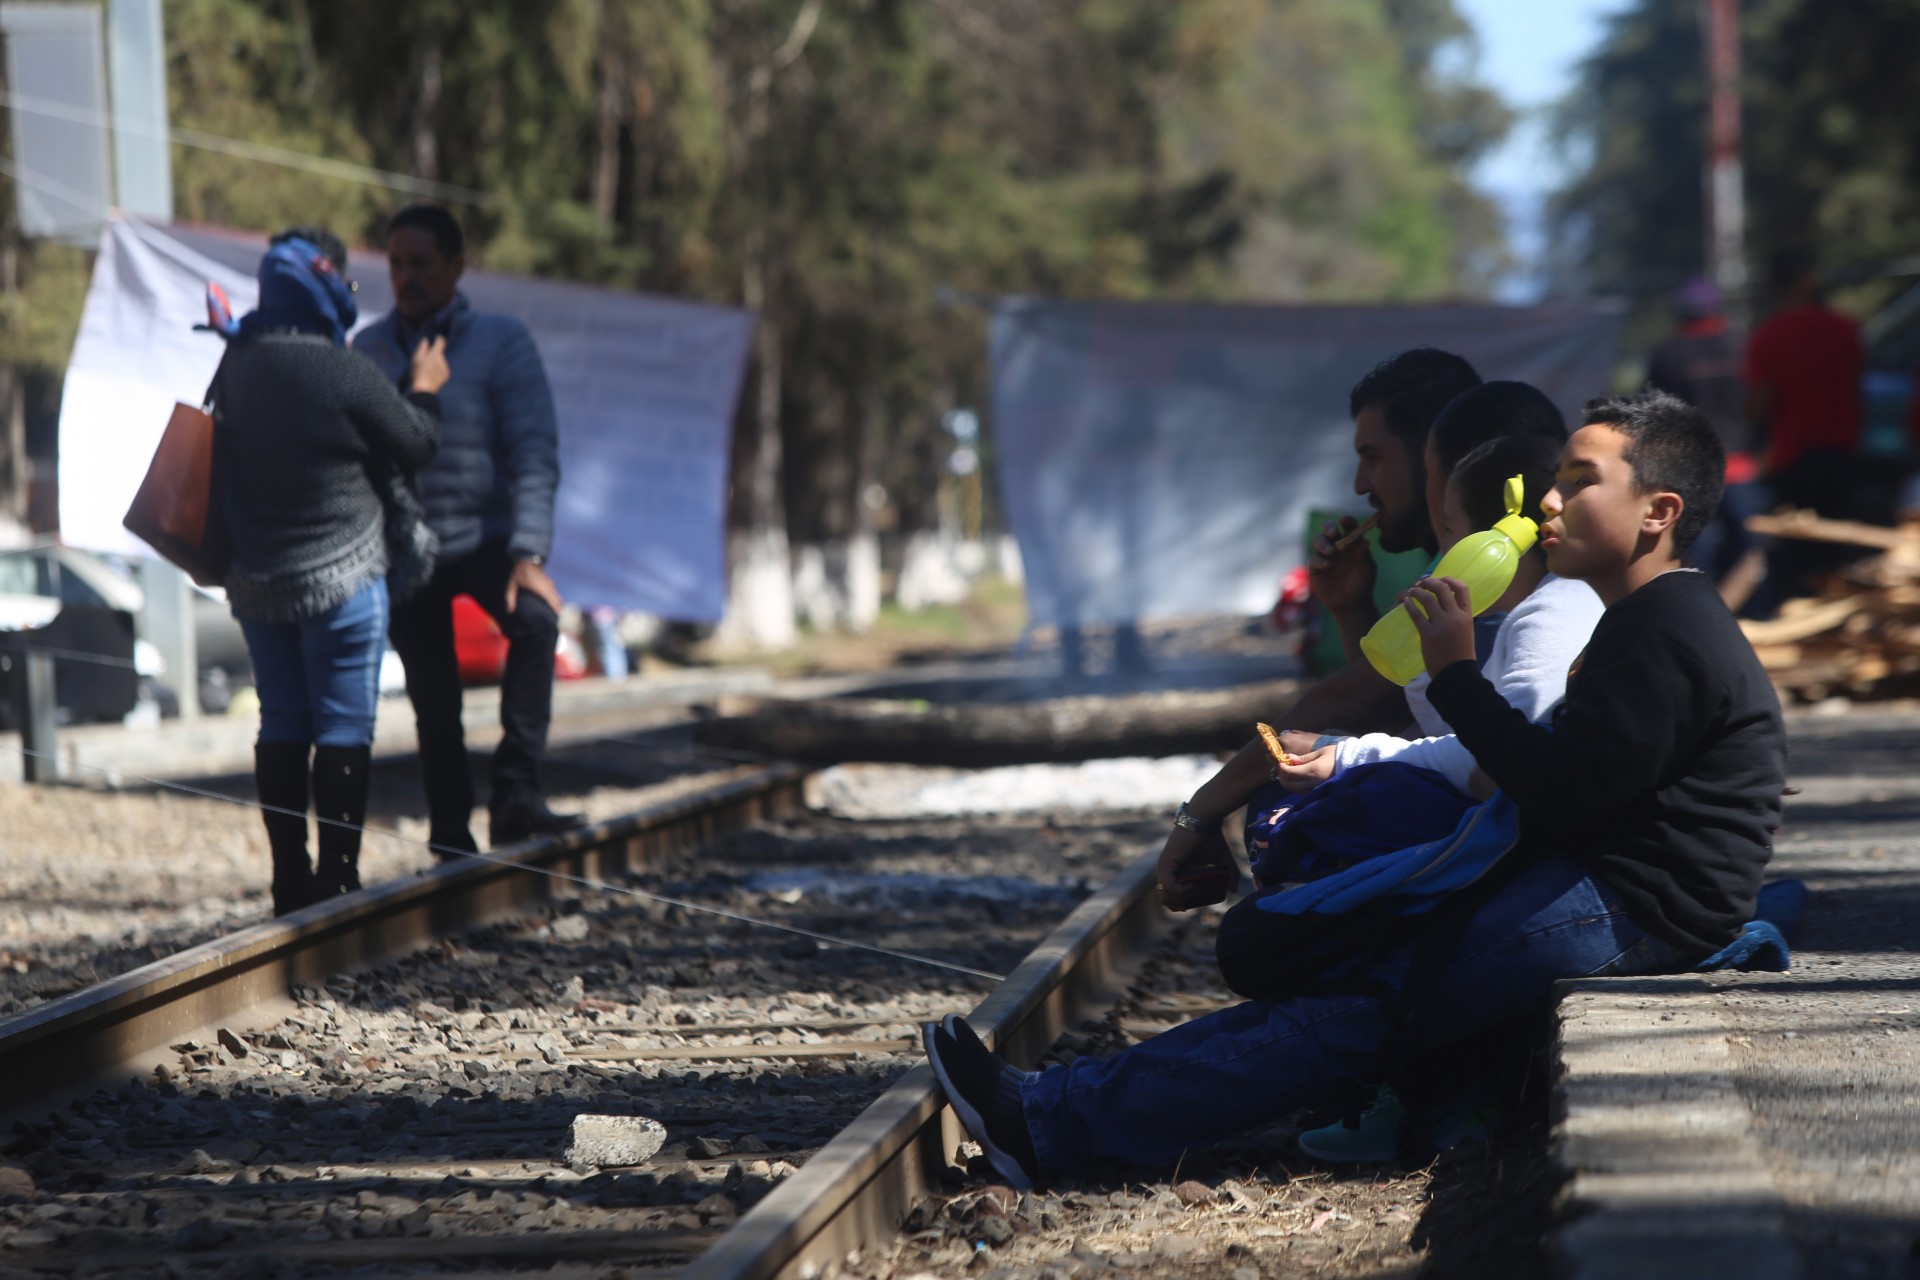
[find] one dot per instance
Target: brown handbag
(175, 511)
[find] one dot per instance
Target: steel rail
(858, 1189)
(244, 980)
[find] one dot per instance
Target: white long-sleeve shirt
(1532, 653)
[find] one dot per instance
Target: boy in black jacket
(1647, 813)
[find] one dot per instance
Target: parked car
(86, 615)
(480, 647)
(37, 582)
(480, 652)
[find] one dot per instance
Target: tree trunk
(981, 735)
(759, 591)
(610, 113)
(761, 572)
(760, 578)
(863, 543)
(641, 108)
(426, 117)
(760, 581)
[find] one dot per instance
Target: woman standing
(314, 447)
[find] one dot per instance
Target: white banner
(644, 387)
(136, 354)
(1161, 460)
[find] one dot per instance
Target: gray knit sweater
(305, 432)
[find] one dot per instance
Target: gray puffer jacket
(310, 439)
(493, 481)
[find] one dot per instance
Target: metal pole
(1725, 200)
(30, 689)
(166, 622)
(137, 85)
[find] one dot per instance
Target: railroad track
(391, 1079)
(127, 1022)
(862, 1187)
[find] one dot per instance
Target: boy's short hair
(1481, 477)
(436, 222)
(1492, 411)
(320, 238)
(1671, 448)
(1411, 390)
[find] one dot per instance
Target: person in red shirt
(1701, 363)
(1803, 371)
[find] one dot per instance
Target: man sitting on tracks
(1392, 407)
(1646, 811)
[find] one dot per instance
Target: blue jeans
(1221, 1075)
(319, 678)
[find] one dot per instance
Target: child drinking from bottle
(1548, 619)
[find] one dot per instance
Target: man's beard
(1412, 530)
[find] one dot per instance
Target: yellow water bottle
(1485, 561)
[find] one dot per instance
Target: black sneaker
(521, 819)
(956, 1026)
(448, 845)
(985, 1093)
(973, 1046)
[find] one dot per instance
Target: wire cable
(68, 655)
(47, 186)
(263, 152)
(563, 876)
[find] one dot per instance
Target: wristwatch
(537, 560)
(1184, 819)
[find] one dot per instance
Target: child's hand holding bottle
(1444, 619)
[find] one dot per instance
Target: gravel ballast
(94, 882)
(434, 1099)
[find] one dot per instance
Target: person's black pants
(422, 632)
(1820, 480)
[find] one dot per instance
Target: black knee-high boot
(340, 777)
(280, 780)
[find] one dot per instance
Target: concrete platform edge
(1665, 1178)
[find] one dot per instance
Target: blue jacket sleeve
(522, 404)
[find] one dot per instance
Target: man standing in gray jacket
(488, 495)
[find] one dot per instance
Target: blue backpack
(1297, 939)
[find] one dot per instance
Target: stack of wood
(1860, 637)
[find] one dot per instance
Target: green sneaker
(1473, 1115)
(1375, 1141)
